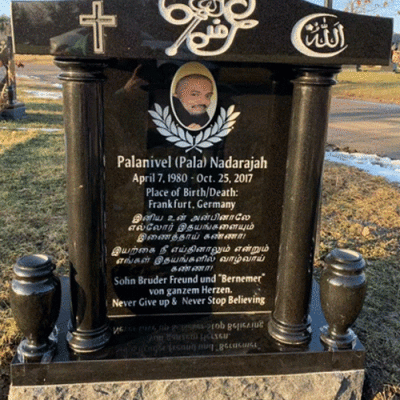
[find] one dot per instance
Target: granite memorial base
(13, 112)
(316, 386)
(203, 357)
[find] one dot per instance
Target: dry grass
(389, 393)
(32, 199)
(358, 211)
(381, 87)
(363, 213)
(34, 59)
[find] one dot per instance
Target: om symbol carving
(208, 14)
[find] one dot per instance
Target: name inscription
(197, 245)
(192, 162)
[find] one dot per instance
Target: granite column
(290, 323)
(84, 130)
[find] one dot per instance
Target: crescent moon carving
(299, 44)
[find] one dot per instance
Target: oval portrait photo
(193, 96)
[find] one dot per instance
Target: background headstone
(10, 108)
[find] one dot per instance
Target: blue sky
(390, 11)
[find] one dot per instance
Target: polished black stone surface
(194, 229)
(187, 347)
(290, 31)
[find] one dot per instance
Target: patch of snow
(37, 129)
(40, 94)
(36, 78)
(373, 164)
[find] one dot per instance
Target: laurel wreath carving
(183, 139)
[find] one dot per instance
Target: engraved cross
(98, 21)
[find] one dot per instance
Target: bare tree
(367, 6)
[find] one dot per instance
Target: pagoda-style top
(267, 31)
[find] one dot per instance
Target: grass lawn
(368, 85)
(32, 199)
(359, 211)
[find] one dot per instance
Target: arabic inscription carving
(319, 35)
(198, 13)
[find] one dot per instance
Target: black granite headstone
(195, 135)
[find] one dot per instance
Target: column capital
(81, 70)
(319, 76)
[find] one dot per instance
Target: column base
(89, 341)
(29, 352)
(296, 335)
(337, 341)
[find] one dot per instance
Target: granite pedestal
(202, 357)
(13, 112)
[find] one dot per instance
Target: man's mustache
(202, 106)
